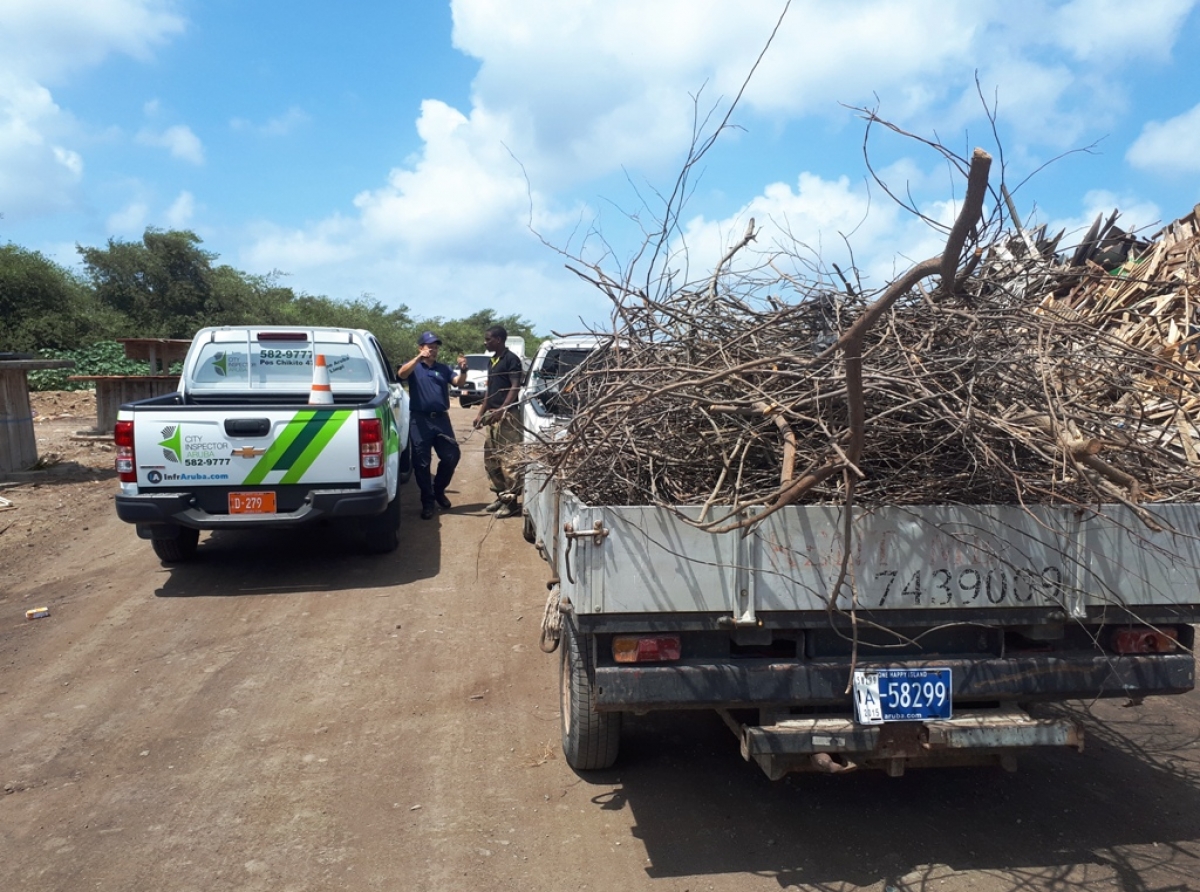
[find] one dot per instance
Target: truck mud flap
(834, 744)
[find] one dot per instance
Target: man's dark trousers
(431, 432)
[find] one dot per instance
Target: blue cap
(428, 338)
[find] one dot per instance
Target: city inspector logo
(228, 365)
(172, 442)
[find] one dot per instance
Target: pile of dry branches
(995, 373)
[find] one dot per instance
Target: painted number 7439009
(969, 585)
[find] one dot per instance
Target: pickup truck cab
(473, 390)
(239, 444)
(547, 400)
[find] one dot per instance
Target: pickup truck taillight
(123, 439)
(370, 447)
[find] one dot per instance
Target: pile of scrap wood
(1019, 376)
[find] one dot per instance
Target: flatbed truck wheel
(590, 739)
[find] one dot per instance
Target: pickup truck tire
(590, 739)
(381, 530)
(528, 530)
(181, 548)
(406, 463)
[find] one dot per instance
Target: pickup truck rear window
(285, 366)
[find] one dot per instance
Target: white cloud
(592, 89)
(179, 215)
(330, 243)
(1105, 30)
(130, 221)
(1033, 99)
(465, 197)
(1170, 146)
(38, 174)
(44, 42)
(179, 140)
(1136, 215)
(48, 39)
(280, 125)
(464, 191)
(805, 228)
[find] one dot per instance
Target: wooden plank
(113, 391)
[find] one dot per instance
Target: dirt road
(288, 713)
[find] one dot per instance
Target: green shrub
(102, 358)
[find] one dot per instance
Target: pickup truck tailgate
(253, 447)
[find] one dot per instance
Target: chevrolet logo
(248, 452)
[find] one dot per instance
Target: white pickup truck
(961, 616)
(546, 400)
(239, 445)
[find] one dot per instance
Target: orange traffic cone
(321, 393)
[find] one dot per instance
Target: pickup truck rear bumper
(180, 509)
(762, 683)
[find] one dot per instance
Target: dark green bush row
(166, 286)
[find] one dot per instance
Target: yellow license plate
(252, 503)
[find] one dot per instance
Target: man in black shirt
(429, 407)
(500, 414)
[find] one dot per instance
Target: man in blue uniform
(429, 401)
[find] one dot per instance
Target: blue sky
(453, 156)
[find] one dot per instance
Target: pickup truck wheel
(381, 530)
(406, 465)
(528, 530)
(590, 739)
(181, 548)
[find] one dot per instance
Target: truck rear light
(1141, 640)
(123, 440)
(370, 447)
(646, 649)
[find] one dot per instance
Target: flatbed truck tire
(591, 740)
(381, 531)
(181, 548)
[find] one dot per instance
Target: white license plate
(901, 695)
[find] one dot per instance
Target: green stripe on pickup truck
(308, 454)
(311, 428)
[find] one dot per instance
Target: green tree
(168, 286)
(466, 335)
(392, 327)
(44, 305)
(163, 285)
